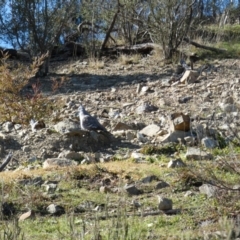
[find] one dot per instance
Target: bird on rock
(88, 122)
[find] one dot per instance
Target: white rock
(197, 154)
(150, 130)
(58, 162)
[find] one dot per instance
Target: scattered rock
(161, 185)
(176, 163)
(189, 194)
(58, 162)
(104, 189)
(132, 189)
(197, 154)
(55, 209)
(66, 126)
(208, 189)
(209, 142)
(150, 130)
(164, 204)
(189, 76)
(175, 136)
(70, 155)
(37, 181)
(149, 179)
(145, 107)
(121, 126)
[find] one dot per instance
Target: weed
(167, 149)
(126, 59)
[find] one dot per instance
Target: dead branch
(217, 50)
(6, 161)
(110, 29)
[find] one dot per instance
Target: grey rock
(149, 179)
(8, 126)
(130, 135)
(175, 136)
(189, 194)
(37, 181)
(209, 142)
(50, 188)
(189, 140)
(185, 99)
(197, 154)
(121, 126)
(66, 126)
(132, 189)
(189, 76)
(161, 185)
(208, 189)
(55, 209)
(176, 163)
(88, 122)
(70, 155)
(227, 107)
(145, 107)
(141, 138)
(164, 204)
(151, 130)
(58, 162)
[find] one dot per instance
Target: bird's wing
(91, 123)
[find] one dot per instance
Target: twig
(6, 161)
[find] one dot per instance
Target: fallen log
(144, 48)
(217, 50)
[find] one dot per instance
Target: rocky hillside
(158, 120)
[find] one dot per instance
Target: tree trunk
(110, 29)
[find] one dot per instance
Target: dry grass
(129, 59)
(95, 63)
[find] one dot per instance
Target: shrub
(16, 105)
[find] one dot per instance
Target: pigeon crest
(88, 122)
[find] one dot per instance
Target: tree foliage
(37, 26)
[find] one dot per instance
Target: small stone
(197, 154)
(130, 135)
(189, 194)
(104, 189)
(121, 126)
(132, 190)
(161, 185)
(209, 142)
(51, 187)
(189, 77)
(70, 155)
(164, 204)
(150, 130)
(208, 189)
(55, 209)
(58, 162)
(149, 179)
(176, 163)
